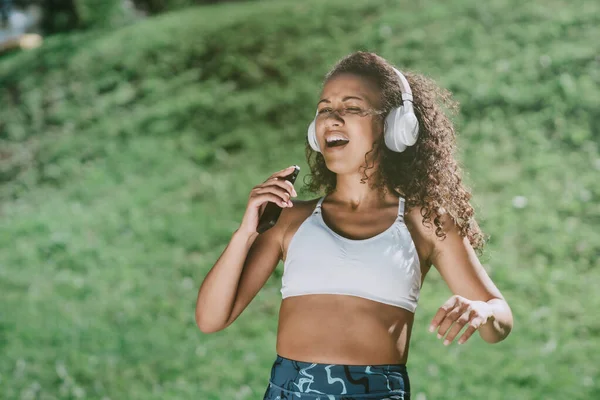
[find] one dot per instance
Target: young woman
(382, 151)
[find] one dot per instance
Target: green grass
(127, 157)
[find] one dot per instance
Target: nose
(333, 118)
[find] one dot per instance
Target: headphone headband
(404, 86)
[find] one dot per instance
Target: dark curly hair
(427, 174)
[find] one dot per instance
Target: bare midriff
(341, 329)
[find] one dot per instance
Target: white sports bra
(383, 268)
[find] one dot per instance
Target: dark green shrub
(66, 15)
(159, 6)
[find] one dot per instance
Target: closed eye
(327, 109)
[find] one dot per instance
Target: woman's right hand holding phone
(275, 189)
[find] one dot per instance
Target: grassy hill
(127, 157)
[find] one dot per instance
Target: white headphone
(401, 124)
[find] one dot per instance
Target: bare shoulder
(291, 218)
(422, 234)
(290, 215)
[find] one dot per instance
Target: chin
(342, 167)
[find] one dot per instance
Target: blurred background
(131, 133)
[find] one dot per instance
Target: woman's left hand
(460, 311)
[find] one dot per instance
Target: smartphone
(272, 211)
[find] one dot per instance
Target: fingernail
(439, 335)
(431, 328)
(446, 342)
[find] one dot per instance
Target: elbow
(207, 330)
(206, 327)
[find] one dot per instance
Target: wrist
(245, 234)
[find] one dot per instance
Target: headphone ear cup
(402, 129)
(312, 137)
(392, 139)
(409, 128)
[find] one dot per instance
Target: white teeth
(335, 137)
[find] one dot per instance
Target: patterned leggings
(299, 380)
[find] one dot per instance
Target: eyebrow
(344, 99)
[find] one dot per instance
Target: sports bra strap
(400, 207)
(318, 207)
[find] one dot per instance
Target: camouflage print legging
(299, 380)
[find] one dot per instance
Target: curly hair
(426, 174)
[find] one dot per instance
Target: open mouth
(337, 143)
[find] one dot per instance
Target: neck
(355, 196)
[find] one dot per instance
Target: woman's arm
(457, 263)
(238, 275)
